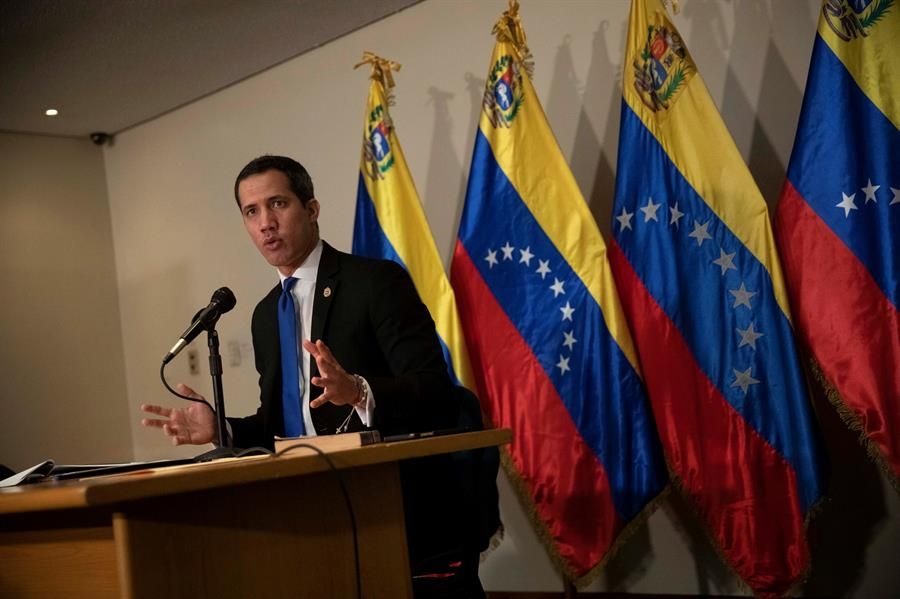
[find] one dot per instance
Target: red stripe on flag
(567, 482)
(744, 489)
(845, 319)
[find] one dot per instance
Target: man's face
(281, 227)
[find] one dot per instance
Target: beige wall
(177, 234)
(62, 393)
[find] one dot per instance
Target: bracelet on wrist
(362, 391)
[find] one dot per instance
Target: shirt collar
(310, 267)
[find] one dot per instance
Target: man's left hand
(338, 386)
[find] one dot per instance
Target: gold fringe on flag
(509, 29)
(854, 424)
(523, 493)
(381, 72)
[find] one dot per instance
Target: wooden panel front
(266, 539)
(68, 554)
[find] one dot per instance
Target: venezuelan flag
(552, 356)
(838, 221)
(391, 224)
(695, 260)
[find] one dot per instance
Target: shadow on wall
(852, 512)
(630, 562)
(591, 159)
(475, 88)
(714, 576)
(446, 179)
(779, 103)
(780, 97)
(447, 174)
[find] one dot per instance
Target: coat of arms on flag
(663, 66)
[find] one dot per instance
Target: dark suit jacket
(370, 316)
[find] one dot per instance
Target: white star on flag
(557, 287)
(896, 198)
(567, 311)
(624, 219)
(526, 256)
(700, 233)
(847, 204)
(563, 365)
(507, 251)
(650, 210)
(570, 339)
(742, 296)
(870, 192)
(543, 268)
(748, 336)
(725, 261)
(675, 215)
(491, 258)
(743, 379)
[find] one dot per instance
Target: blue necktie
(291, 383)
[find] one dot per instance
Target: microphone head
(224, 298)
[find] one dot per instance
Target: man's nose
(266, 220)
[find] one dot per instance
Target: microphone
(221, 302)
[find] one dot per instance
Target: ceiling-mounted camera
(100, 138)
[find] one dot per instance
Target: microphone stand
(223, 447)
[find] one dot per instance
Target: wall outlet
(234, 353)
(193, 361)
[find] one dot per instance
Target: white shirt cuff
(366, 409)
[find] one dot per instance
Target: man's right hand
(194, 425)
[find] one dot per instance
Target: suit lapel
(326, 289)
(270, 322)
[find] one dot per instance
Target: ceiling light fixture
(51, 112)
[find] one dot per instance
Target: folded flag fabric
(695, 261)
(838, 221)
(552, 357)
(391, 224)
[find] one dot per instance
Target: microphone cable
(340, 479)
(162, 376)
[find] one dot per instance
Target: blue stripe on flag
(843, 142)
(449, 360)
(368, 236)
(369, 240)
(600, 389)
(696, 295)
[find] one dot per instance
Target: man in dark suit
(370, 356)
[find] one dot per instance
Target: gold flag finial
(509, 29)
(675, 8)
(381, 69)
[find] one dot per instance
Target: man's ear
(312, 207)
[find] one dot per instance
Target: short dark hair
(300, 181)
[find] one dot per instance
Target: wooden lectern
(260, 526)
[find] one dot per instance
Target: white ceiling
(108, 65)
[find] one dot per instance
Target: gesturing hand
(338, 386)
(194, 424)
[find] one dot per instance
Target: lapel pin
(327, 292)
